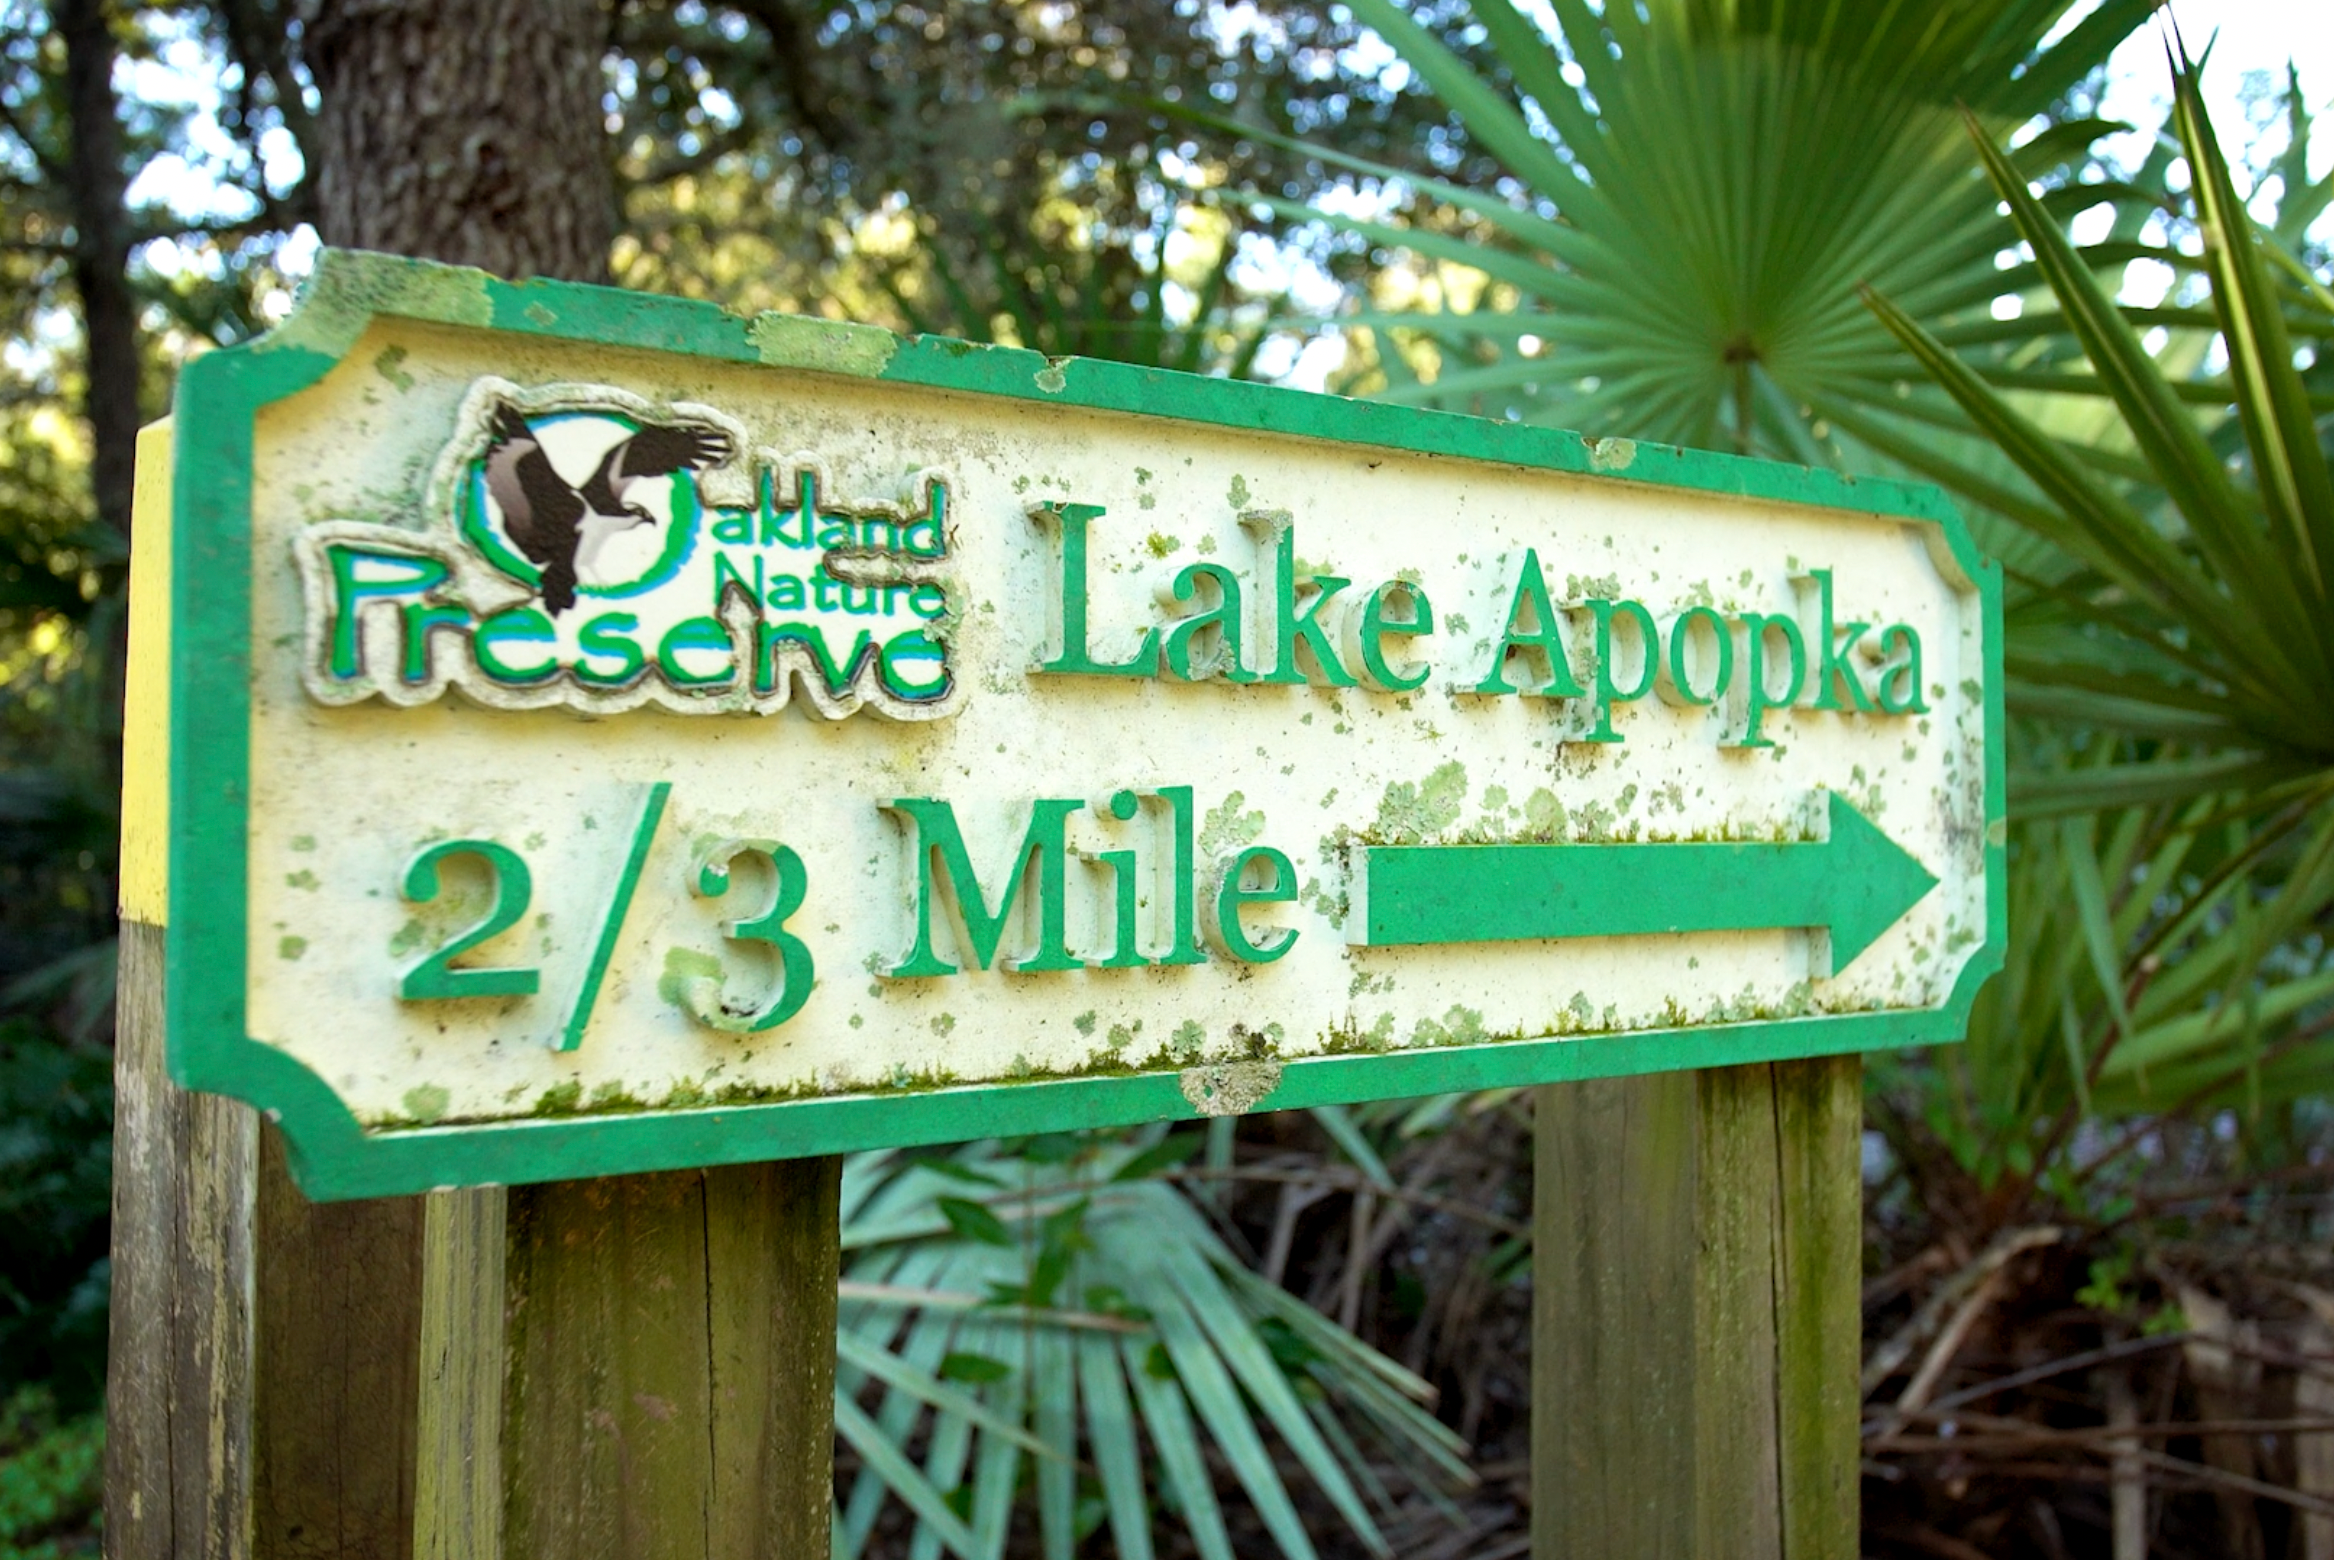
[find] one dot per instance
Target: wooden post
(672, 1364)
(178, 1383)
(1697, 1244)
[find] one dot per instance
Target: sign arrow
(1854, 884)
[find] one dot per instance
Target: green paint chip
(291, 947)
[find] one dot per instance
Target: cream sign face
(610, 734)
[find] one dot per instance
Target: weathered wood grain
(1695, 1266)
(1613, 1324)
(671, 1353)
(178, 1387)
(1819, 1116)
(338, 1289)
(773, 1257)
(457, 1496)
(1737, 1212)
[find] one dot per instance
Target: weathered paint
(297, 821)
(145, 865)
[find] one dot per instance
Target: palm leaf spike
(2225, 530)
(2289, 463)
(2088, 518)
(1049, 1354)
(883, 1458)
(2258, 604)
(1111, 1426)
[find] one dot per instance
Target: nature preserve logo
(584, 547)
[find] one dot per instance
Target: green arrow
(1855, 884)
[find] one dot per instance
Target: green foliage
(984, 169)
(2169, 642)
(2185, 607)
(1075, 1332)
(1691, 194)
(56, 1177)
(52, 1477)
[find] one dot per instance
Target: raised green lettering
(1375, 625)
(608, 634)
(1610, 692)
(1677, 684)
(1545, 637)
(420, 618)
(1126, 950)
(1291, 626)
(518, 626)
(695, 634)
(1757, 702)
(1183, 887)
(1900, 671)
(1074, 659)
(1278, 888)
(1835, 662)
(1183, 653)
(937, 836)
(790, 886)
(359, 577)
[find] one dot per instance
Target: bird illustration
(561, 527)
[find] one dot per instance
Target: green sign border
(219, 398)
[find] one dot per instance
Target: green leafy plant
(1070, 282)
(52, 1474)
(1692, 193)
(56, 1163)
(1056, 1317)
(2169, 642)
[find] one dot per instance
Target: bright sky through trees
(2252, 42)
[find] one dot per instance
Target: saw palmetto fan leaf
(2171, 645)
(1055, 1324)
(1694, 191)
(2186, 603)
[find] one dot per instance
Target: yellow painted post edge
(145, 864)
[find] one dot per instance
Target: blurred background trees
(1652, 221)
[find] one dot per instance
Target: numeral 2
(435, 978)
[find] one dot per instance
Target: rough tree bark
(101, 254)
(469, 131)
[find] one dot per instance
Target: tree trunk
(101, 256)
(470, 131)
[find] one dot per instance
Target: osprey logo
(581, 546)
(561, 527)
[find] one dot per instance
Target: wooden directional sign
(607, 734)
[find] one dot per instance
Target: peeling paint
(1228, 1088)
(345, 292)
(823, 346)
(1611, 454)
